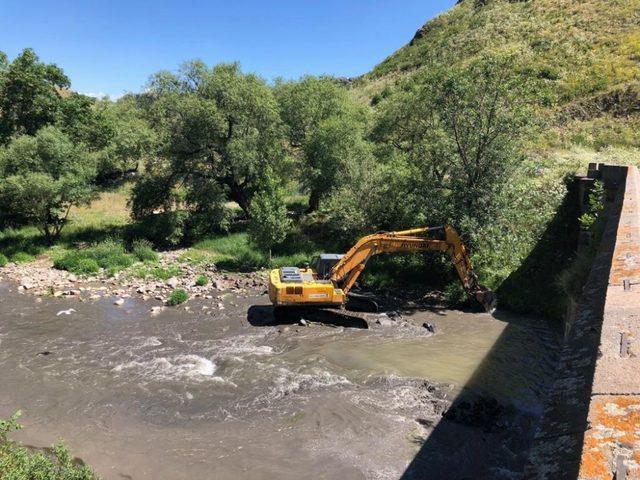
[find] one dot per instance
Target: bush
(202, 280)
(87, 266)
(3, 260)
(143, 250)
(18, 462)
(21, 257)
(163, 229)
(109, 255)
(177, 297)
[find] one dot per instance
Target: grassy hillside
(581, 47)
(587, 52)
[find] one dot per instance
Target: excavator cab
(324, 263)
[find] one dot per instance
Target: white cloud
(102, 95)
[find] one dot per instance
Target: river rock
(119, 302)
(219, 285)
(429, 326)
(156, 310)
(385, 321)
(173, 282)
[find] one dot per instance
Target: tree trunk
(240, 197)
(314, 201)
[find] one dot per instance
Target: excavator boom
(333, 291)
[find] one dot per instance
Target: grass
(143, 251)
(22, 257)
(3, 260)
(151, 270)
(235, 252)
(578, 47)
(177, 297)
(202, 280)
(106, 217)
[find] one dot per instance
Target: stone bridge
(591, 425)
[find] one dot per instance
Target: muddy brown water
(185, 395)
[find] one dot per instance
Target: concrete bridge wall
(591, 425)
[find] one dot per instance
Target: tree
(318, 112)
(460, 130)
(124, 137)
(334, 146)
(305, 103)
(268, 224)
(42, 177)
(30, 95)
(220, 132)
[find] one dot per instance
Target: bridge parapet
(612, 443)
(591, 424)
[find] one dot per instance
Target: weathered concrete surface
(612, 443)
(591, 423)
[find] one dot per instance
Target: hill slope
(587, 51)
(582, 47)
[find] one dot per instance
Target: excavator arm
(348, 269)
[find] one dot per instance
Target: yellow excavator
(328, 286)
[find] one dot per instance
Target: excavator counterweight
(329, 287)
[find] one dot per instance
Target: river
(191, 394)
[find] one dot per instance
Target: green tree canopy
(331, 149)
(30, 94)
(220, 133)
(42, 177)
(325, 131)
(269, 224)
(460, 129)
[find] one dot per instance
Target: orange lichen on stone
(615, 430)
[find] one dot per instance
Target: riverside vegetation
(478, 121)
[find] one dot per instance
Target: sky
(113, 46)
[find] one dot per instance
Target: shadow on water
(481, 440)
(477, 436)
(264, 316)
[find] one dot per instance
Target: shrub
(165, 229)
(177, 297)
(109, 255)
(86, 266)
(143, 250)
(21, 257)
(202, 280)
(268, 225)
(3, 260)
(18, 462)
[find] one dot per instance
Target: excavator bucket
(487, 298)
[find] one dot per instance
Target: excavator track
(333, 316)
